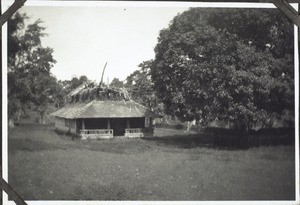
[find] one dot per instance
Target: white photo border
(44, 3)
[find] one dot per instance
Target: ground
(172, 166)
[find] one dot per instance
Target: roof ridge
(139, 104)
(85, 107)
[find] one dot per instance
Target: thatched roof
(103, 109)
(79, 89)
(87, 92)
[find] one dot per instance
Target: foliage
(263, 28)
(69, 85)
(30, 83)
(140, 85)
(116, 83)
(233, 65)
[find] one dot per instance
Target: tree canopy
(116, 83)
(140, 86)
(70, 85)
(30, 82)
(228, 64)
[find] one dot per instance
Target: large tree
(30, 82)
(233, 65)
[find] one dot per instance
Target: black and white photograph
(150, 102)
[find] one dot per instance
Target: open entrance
(118, 125)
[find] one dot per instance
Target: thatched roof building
(103, 109)
(105, 119)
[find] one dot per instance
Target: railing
(97, 132)
(133, 130)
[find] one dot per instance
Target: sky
(85, 38)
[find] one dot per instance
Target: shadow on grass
(41, 137)
(183, 141)
(30, 145)
(200, 140)
(225, 139)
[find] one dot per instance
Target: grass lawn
(172, 166)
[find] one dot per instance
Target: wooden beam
(128, 124)
(69, 120)
(10, 11)
(151, 122)
(83, 125)
(75, 125)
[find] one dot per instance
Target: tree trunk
(25, 111)
(42, 116)
(19, 114)
(244, 141)
(189, 125)
(11, 123)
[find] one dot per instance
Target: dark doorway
(118, 125)
(137, 122)
(95, 123)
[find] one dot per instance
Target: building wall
(65, 125)
(73, 126)
(60, 124)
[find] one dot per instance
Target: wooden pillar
(108, 123)
(83, 126)
(146, 122)
(69, 120)
(150, 122)
(128, 124)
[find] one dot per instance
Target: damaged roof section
(103, 109)
(88, 92)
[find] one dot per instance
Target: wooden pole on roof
(102, 75)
